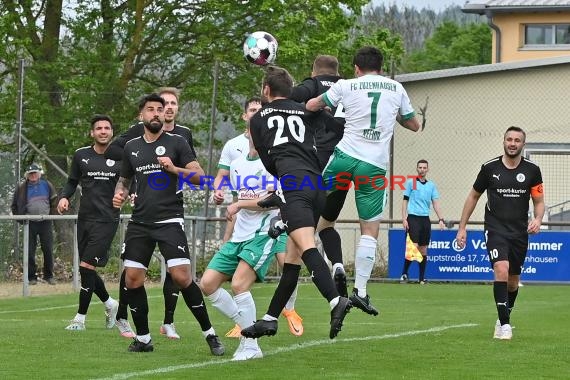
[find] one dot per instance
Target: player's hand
(166, 164)
(461, 237)
(219, 196)
(534, 226)
(441, 225)
(132, 198)
(63, 205)
(405, 224)
(231, 211)
(118, 199)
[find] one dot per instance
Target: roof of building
(497, 6)
(481, 69)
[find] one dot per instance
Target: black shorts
(501, 248)
(141, 239)
(419, 228)
(94, 240)
(303, 204)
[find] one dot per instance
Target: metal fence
(204, 239)
(466, 112)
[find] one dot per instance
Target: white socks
(364, 262)
(247, 311)
(224, 302)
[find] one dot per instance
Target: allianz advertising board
(547, 260)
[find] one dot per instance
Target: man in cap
(37, 196)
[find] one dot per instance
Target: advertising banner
(547, 260)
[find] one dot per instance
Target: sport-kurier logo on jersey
(160, 150)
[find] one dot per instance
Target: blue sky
(436, 5)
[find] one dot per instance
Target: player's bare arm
(412, 124)
(468, 209)
(247, 204)
(537, 195)
(193, 170)
(121, 191)
(219, 193)
(315, 104)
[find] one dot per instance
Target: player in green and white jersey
(245, 258)
(372, 104)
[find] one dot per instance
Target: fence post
(25, 259)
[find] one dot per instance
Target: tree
(414, 26)
(101, 56)
(452, 46)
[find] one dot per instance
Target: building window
(546, 34)
(563, 34)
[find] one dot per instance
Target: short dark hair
(325, 65)
(422, 161)
(368, 58)
(99, 117)
(154, 97)
(279, 80)
(253, 99)
(515, 129)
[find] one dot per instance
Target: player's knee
(240, 285)
(207, 286)
(134, 277)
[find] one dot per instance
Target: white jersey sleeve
(234, 148)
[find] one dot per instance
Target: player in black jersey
(283, 134)
(325, 73)
(97, 219)
(171, 96)
(510, 181)
(157, 159)
(170, 290)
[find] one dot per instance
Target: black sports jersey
(329, 136)
(158, 197)
(97, 177)
(508, 194)
(115, 150)
(283, 133)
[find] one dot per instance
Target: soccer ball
(260, 48)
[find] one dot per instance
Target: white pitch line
(48, 308)
(276, 351)
(38, 309)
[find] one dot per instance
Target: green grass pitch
(436, 331)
